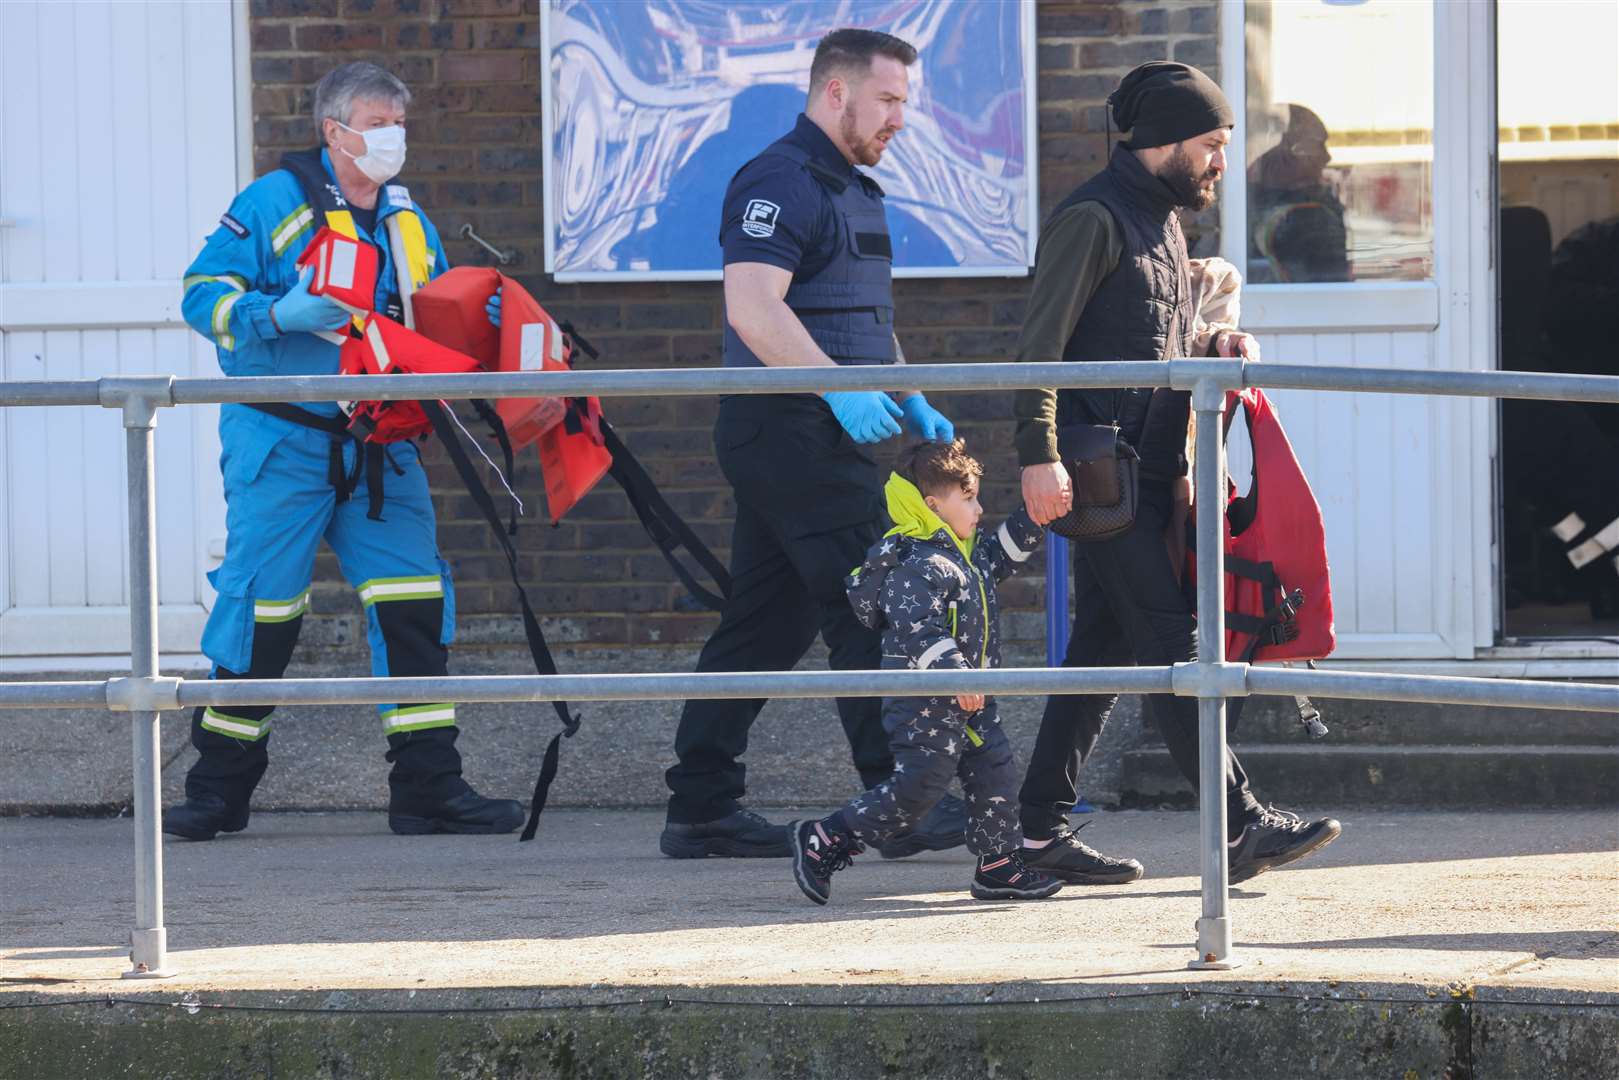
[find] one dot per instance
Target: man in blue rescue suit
(293, 474)
(808, 265)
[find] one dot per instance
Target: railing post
(148, 952)
(1214, 928)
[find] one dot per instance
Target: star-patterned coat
(934, 602)
(933, 598)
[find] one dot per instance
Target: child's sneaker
(1005, 877)
(817, 855)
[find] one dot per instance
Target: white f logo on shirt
(759, 219)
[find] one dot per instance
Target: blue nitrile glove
(926, 422)
(492, 309)
(299, 310)
(869, 416)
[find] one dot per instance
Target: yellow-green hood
(913, 517)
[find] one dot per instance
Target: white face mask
(384, 151)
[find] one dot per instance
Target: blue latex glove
(926, 422)
(299, 310)
(869, 416)
(492, 309)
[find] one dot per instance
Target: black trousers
(808, 506)
(1128, 606)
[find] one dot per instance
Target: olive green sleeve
(1078, 248)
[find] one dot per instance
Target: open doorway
(1558, 276)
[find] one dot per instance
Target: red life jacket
(1278, 590)
(384, 347)
(576, 444)
(345, 270)
(572, 448)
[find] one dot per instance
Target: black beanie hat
(1162, 102)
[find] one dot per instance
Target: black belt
(368, 456)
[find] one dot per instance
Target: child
(929, 586)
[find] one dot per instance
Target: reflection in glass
(1340, 151)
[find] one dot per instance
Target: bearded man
(808, 264)
(1111, 283)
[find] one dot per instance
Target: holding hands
(1048, 491)
(926, 422)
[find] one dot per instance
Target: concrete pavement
(333, 901)
(319, 945)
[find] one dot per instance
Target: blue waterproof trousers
(280, 504)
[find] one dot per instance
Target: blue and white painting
(652, 106)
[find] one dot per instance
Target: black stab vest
(1144, 310)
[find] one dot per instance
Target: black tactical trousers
(1128, 607)
(808, 506)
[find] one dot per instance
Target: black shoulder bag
(1106, 473)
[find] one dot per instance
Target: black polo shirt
(778, 214)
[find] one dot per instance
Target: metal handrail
(145, 695)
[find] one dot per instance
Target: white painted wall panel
(104, 478)
(117, 155)
(1416, 465)
(27, 517)
(1373, 461)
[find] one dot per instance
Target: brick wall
(474, 67)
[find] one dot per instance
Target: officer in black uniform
(808, 265)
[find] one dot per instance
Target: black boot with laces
(1067, 858)
(1268, 838)
(818, 853)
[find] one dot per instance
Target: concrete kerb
(1036, 1032)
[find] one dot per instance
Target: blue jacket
(248, 263)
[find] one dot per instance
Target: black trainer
(941, 828)
(1071, 860)
(817, 855)
(741, 834)
(203, 816)
(468, 813)
(1273, 838)
(1008, 877)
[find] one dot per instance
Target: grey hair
(338, 88)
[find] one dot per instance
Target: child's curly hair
(936, 467)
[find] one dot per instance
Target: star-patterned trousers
(933, 740)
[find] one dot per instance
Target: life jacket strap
(539, 651)
(667, 529)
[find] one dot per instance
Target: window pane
(1340, 140)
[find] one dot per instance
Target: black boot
(427, 795)
(741, 834)
(220, 784)
(202, 816)
(418, 813)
